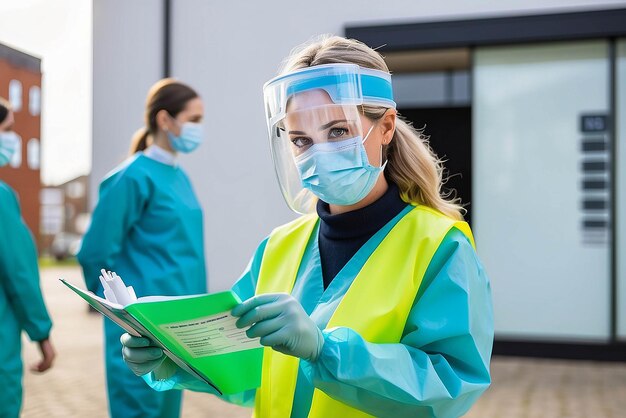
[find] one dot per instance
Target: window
(32, 154)
(15, 95)
(34, 100)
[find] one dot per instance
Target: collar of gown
(156, 153)
(361, 222)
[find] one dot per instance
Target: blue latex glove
(143, 357)
(282, 323)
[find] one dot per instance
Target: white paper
(211, 335)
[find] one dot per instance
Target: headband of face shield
(318, 107)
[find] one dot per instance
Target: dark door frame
(508, 30)
(493, 31)
(167, 38)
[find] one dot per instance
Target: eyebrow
(331, 123)
(321, 128)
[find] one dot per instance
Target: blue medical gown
(439, 368)
(148, 228)
(21, 302)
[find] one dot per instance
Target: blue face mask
(339, 173)
(189, 139)
(9, 142)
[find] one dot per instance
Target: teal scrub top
(21, 302)
(439, 368)
(148, 228)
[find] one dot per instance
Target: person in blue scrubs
(21, 303)
(148, 228)
(410, 342)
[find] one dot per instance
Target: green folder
(197, 332)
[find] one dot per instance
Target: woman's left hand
(282, 323)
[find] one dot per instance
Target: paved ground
(521, 388)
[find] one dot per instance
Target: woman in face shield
(21, 303)
(373, 303)
(147, 226)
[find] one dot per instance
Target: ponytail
(140, 141)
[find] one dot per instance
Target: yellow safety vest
(376, 305)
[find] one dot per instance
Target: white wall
(227, 50)
(127, 60)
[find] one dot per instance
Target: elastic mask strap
(368, 134)
(382, 166)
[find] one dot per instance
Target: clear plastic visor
(313, 110)
(302, 131)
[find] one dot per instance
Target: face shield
(317, 107)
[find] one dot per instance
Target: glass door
(541, 191)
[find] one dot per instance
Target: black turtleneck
(341, 235)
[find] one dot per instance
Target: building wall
(75, 192)
(235, 50)
(227, 51)
(25, 177)
(127, 60)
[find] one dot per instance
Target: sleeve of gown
(441, 365)
(244, 288)
(121, 202)
(19, 271)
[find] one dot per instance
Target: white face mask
(9, 141)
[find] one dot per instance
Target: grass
(47, 261)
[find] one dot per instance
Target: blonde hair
(412, 165)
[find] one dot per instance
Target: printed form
(211, 335)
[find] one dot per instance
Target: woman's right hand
(141, 355)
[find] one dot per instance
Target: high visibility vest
(376, 305)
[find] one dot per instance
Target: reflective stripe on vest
(404, 254)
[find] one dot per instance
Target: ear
(388, 125)
(163, 120)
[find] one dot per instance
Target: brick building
(20, 83)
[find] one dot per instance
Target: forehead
(315, 117)
(308, 99)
